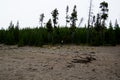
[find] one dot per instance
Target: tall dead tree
(89, 15)
(81, 20)
(41, 19)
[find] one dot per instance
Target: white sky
(27, 11)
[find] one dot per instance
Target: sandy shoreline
(57, 63)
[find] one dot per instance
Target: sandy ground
(59, 63)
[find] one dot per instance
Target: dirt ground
(68, 62)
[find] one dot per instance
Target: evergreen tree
(110, 26)
(73, 17)
(111, 35)
(116, 24)
(73, 20)
(16, 32)
(10, 38)
(117, 32)
(98, 23)
(2, 35)
(104, 9)
(49, 26)
(11, 26)
(55, 17)
(67, 16)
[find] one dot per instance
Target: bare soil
(68, 62)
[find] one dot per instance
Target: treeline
(96, 33)
(60, 35)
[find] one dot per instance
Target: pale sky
(27, 12)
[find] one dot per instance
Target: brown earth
(68, 62)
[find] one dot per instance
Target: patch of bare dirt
(68, 62)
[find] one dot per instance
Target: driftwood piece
(86, 59)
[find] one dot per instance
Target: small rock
(93, 70)
(92, 52)
(70, 65)
(76, 52)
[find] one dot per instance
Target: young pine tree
(73, 17)
(55, 17)
(49, 26)
(98, 26)
(10, 38)
(16, 32)
(73, 20)
(111, 35)
(117, 32)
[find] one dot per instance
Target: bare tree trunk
(88, 32)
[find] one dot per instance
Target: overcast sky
(27, 12)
